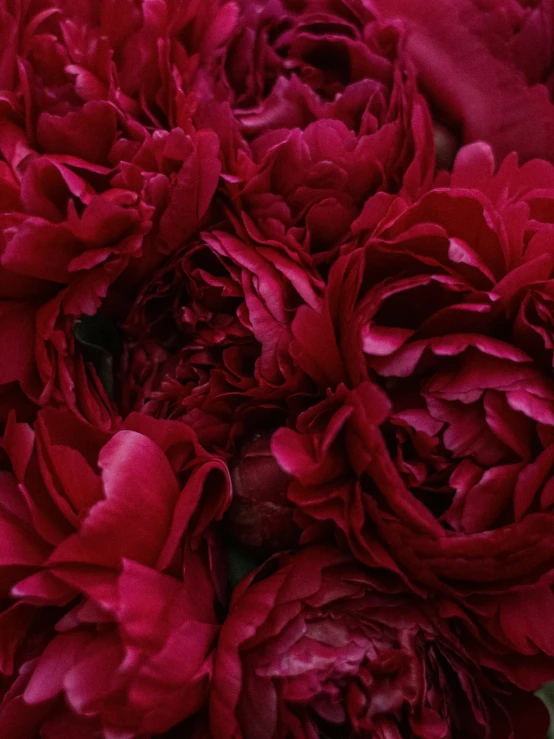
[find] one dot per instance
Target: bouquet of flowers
(276, 369)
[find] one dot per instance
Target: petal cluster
(109, 551)
(319, 647)
(276, 368)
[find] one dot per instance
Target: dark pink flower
(485, 67)
(63, 242)
(320, 647)
(107, 539)
(322, 92)
(141, 57)
(431, 449)
(208, 339)
(128, 663)
(91, 193)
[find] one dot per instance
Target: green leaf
(100, 344)
(241, 562)
(546, 694)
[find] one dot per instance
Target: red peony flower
(142, 57)
(323, 93)
(431, 449)
(107, 547)
(208, 339)
(63, 241)
(484, 67)
(131, 662)
(319, 647)
(91, 194)
(239, 305)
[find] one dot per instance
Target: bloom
(250, 303)
(207, 339)
(329, 114)
(111, 565)
(430, 448)
(317, 645)
(90, 186)
(485, 67)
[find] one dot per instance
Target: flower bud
(260, 516)
(446, 146)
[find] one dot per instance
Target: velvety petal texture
(102, 170)
(315, 646)
(486, 66)
(324, 96)
(208, 338)
(109, 559)
(429, 449)
(276, 368)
